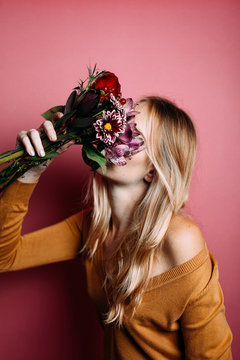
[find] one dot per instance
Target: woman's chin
(108, 167)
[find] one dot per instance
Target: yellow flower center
(108, 126)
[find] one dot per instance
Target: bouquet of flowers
(96, 116)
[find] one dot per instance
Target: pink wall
(185, 50)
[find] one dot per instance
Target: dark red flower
(127, 144)
(88, 102)
(108, 82)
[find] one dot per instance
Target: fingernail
(42, 153)
(32, 153)
(53, 137)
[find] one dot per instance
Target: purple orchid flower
(117, 154)
(128, 143)
(118, 131)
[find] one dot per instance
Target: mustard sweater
(182, 314)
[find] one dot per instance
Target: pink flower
(110, 126)
(127, 144)
(130, 134)
(117, 154)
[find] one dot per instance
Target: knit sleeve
(204, 326)
(54, 243)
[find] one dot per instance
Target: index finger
(49, 130)
(57, 115)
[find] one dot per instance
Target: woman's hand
(32, 143)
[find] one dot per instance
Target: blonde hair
(171, 147)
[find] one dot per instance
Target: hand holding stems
(35, 143)
(95, 116)
(32, 142)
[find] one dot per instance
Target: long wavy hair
(170, 142)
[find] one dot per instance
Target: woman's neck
(123, 201)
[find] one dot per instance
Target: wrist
(29, 177)
(33, 174)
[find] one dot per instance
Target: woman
(149, 273)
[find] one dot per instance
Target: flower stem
(14, 155)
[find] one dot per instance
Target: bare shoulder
(183, 240)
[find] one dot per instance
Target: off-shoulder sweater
(182, 313)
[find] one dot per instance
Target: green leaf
(85, 158)
(49, 155)
(95, 155)
(93, 164)
(49, 113)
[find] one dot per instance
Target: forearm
(13, 208)
(57, 242)
(28, 178)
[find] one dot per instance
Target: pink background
(185, 50)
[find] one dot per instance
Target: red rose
(108, 82)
